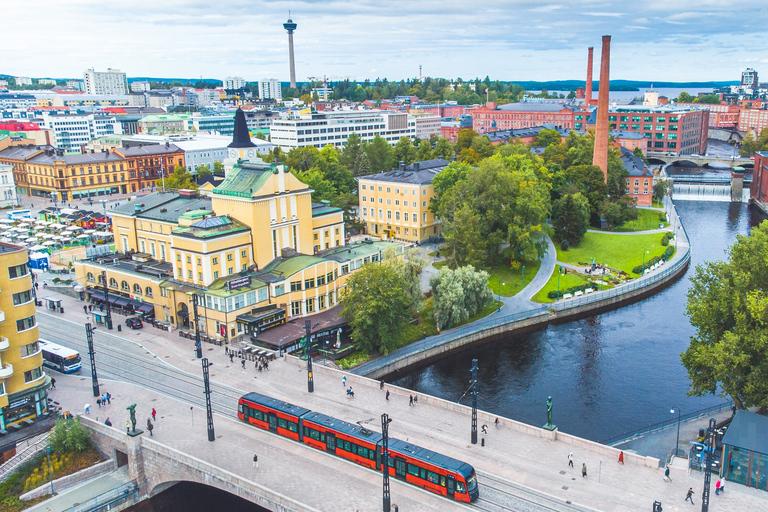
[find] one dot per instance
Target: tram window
(423, 472)
(347, 446)
(257, 414)
(293, 427)
(460, 487)
(413, 470)
(314, 434)
(322, 436)
(391, 462)
(242, 409)
(442, 480)
(362, 451)
(372, 454)
(432, 477)
(282, 423)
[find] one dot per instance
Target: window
(425, 216)
(22, 297)
(137, 289)
(229, 257)
(112, 282)
(89, 277)
(215, 261)
(216, 274)
(148, 291)
(25, 323)
(17, 271)
(243, 254)
(295, 286)
(329, 277)
(295, 308)
(279, 289)
(320, 280)
(28, 350)
(321, 302)
(124, 286)
(189, 259)
(178, 257)
(189, 274)
(310, 305)
(309, 283)
(33, 375)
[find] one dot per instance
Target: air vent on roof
(188, 209)
(163, 210)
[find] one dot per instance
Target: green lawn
(511, 279)
(623, 252)
(648, 219)
(566, 281)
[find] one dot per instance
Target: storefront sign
(18, 403)
(238, 283)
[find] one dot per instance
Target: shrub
(573, 289)
(564, 245)
(662, 217)
(664, 240)
(69, 436)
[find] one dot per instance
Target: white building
(207, 97)
(110, 82)
(270, 89)
(71, 131)
(8, 195)
(141, 86)
(17, 101)
(77, 85)
(46, 81)
(23, 80)
(319, 129)
(234, 82)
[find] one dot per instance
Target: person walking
(717, 486)
(87, 408)
(497, 423)
(127, 426)
(255, 461)
(722, 484)
(484, 428)
(231, 357)
(415, 399)
(154, 414)
(410, 400)
(344, 381)
(689, 495)
(53, 383)
(103, 400)
(85, 309)
(98, 402)
(150, 427)
(107, 422)
(381, 384)
(584, 470)
(109, 398)
(226, 350)
(387, 395)
(666, 474)
(621, 457)
(242, 361)
(570, 459)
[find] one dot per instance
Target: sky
(670, 40)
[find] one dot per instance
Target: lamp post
(207, 392)
(522, 279)
(500, 285)
(94, 378)
(50, 471)
(645, 251)
(473, 383)
(198, 347)
(385, 421)
(677, 444)
(310, 378)
(106, 299)
(559, 271)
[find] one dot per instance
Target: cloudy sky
(675, 40)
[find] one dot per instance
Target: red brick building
(753, 119)
(723, 115)
(145, 164)
(667, 129)
(522, 115)
(639, 183)
(759, 190)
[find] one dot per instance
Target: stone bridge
(697, 161)
(156, 467)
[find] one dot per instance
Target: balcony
(2, 316)
(4, 343)
(6, 371)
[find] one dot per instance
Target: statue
(132, 409)
(549, 411)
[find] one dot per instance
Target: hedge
(668, 252)
(573, 289)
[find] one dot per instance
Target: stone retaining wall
(65, 482)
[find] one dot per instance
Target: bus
(60, 358)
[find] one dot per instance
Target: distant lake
(669, 92)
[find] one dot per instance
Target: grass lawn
(623, 252)
(566, 281)
(511, 279)
(648, 219)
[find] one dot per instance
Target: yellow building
(395, 204)
(23, 383)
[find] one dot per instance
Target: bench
(567, 296)
(578, 293)
(589, 290)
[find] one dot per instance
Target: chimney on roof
(402, 165)
(600, 154)
(588, 90)
(415, 166)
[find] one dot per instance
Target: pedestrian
(87, 408)
(266, 364)
(722, 484)
(410, 400)
(154, 414)
(231, 357)
(717, 486)
(484, 428)
(381, 384)
(497, 423)
(387, 395)
(415, 399)
(584, 470)
(107, 422)
(37, 285)
(90, 308)
(621, 457)
(150, 427)
(109, 398)
(103, 399)
(259, 366)
(689, 495)
(666, 474)
(570, 459)
(98, 402)
(45, 284)
(226, 351)
(53, 383)
(85, 309)
(255, 461)
(127, 426)
(344, 381)
(242, 361)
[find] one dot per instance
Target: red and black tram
(409, 463)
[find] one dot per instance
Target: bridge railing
(123, 494)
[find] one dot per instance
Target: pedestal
(134, 433)
(549, 432)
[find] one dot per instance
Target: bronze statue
(549, 411)
(132, 409)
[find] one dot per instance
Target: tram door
(400, 468)
(450, 482)
(330, 443)
(272, 422)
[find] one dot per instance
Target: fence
(612, 441)
(493, 321)
(126, 493)
(23, 456)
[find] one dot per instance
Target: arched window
(101, 279)
(137, 289)
(124, 286)
(113, 282)
(148, 292)
(89, 277)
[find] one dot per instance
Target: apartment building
(110, 82)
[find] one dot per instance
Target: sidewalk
(83, 492)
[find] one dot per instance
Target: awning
(183, 313)
(146, 308)
(121, 302)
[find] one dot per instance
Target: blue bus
(62, 359)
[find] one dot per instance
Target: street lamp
(559, 271)
(50, 471)
(94, 378)
(644, 253)
(385, 421)
(677, 444)
(500, 285)
(473, 383)
(207, 392)
(310, 378)
(522, 279)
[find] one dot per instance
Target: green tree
(202, 170)
(378, 303)
(590, 181)
(405, 151)
(464, 138)
(381, 156)
(322, 188)
(458, 294)
(638, 152)
(180, 178)
(709, 99)
(570, 217)
(352, 153)
(306, 99)
(445, 180)
(547, 138)
(444, 149)
(69, 436)
(483, 146)
(424, 152)
(749, 145)
(464, 244)
(302, 159)
(728, 305)
(684, 97)
(660, 188)
(218, 168)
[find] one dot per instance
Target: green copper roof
(196, 214)
(210, 227)
(290, 266)
(358, 250)
(219, 286)
(245, 179)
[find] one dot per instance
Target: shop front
(26, 405)
(260, 319)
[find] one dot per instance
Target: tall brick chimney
(588, 91)
(600, 155)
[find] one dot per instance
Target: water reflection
(607, 374)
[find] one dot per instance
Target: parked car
(134, 323)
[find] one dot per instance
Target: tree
(728, 305)
(638, 152)
(202, 170)
(709, 99)
(464, 138)
(547, 138)
(380, 154)
(301, 159)
(352, 153)
(684, 97)
(69, 436)
(570, 217)
(424, 152)
(464, 244)
(458, 294)
(445, 180)
(590, 181)
(180, 178)
(483, 146)
(218, 168)
(378, 303)
(404, 151)
(444, 149)
(617, 211)
(749, 145)
(306, 99)
(660, 188)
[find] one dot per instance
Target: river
(607, 374)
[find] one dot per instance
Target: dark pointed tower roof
(241, 138)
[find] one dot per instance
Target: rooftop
(283, 268)
(749, 431)
(534, 107)
(418, 173)
(162, 206)
(210, 227)
(323, 209)
(246, 179)
(361, 249)
(634, 164)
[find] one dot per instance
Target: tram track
(506, 495)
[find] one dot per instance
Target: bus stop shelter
(745, 450)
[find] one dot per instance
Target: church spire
(241, 138)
